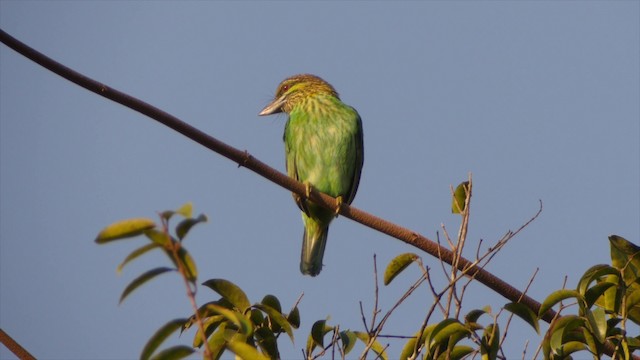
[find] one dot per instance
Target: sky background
(538, 100)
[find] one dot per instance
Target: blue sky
(539, 100)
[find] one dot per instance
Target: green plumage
(324, 149)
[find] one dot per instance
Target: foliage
(606, 298)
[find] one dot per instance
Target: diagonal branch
(243, 158)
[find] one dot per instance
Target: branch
(243, 158)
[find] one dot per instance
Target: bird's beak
(273, 107)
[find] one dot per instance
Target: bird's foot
(338, 205)
(307, 189)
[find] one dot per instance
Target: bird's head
(296, 89)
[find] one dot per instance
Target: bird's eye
(285, 88)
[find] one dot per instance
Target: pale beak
(273, 107)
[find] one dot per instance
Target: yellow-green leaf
(185, 210)
(294, 318)
(459, 198)
(158, 237)
(174, 353)
(137, 282)
(244, 351)
(525, 313)
(160, 336)
(188, 264)
(397, 265)
(135, 254)
(625, 256)
(376, 347)
(276, 317)
(348, 339)
(229, 291)
(124, 229)
(238, 319)
(185, 225)
(555, 297)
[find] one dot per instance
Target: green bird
(324, 150)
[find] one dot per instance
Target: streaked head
(295, 89)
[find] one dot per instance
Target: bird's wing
(292, 170)
(359, 144)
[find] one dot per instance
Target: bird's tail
(313, 242)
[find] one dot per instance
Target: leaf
(318, 330)
(124, 229)
(174, 353)
(135, 254)
(446, 330)
(158, 237)
(143, 279)
(376, 347)
(410, 345)
(238, 319)
(555, 297)
(294, 318)
(458, 352)
(594, 273)
(594, 293)
(397, 265)
(625, 256)
(188, 264)
(561, 327)
(231, 292)
(185, 210)
(490, 343)
(597, 323)
(185, 225)
(460, 198)
(273, 302)
(160, 336)
(276, 317)
(267, 342)
(526, 314)
(348, 339)
(245, 351)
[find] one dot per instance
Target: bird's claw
(338, 205)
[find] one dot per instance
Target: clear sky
(539, 100)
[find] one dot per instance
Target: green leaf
(397, 265)
(348, 339)
(594, 273)
(158, 237)
(230, 292)
(474, 315)
(490, 343)
(555, 297)
(561, 327)
(376, 347)
(294, 318)
(457, 353)
(160, 336)
(185, 210)
(124, 229)
(243, 323)
(459, 198)
(185, 225)
(625, 256)
(526, 314)
(272, 302)
(597, 323)
(245, 351)
(267, 342)
(318, 331)
(135, 254)
(410, 345)
(276, 317)
(143, 279)
(189, 265)
(174, 353)
(594, 293)
(446, 330)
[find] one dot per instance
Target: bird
(323, 149)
